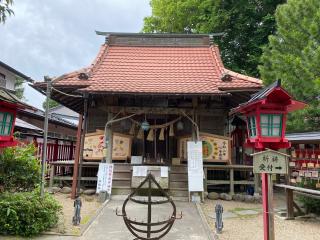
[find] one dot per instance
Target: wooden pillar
(76, 158)
(290, 211)
(110, 139)
(205, 169)
(85, 121)
(52, 173)
(231, 181)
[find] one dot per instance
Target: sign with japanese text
(105, 173)
(195, 166)
(270, 161)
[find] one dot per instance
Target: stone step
(179, 192)
(122, 175)
(178, 184)
(120, 190)
(121, 167)
(121, 182)
(180, 199)
(178, 169)
(178, 176)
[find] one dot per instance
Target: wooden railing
(231, 182)
(57, 150)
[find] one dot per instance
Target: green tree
(5, 10)
(18, 88)
(246, 25)
(52, 104)
(293, 55)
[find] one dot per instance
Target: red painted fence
(57, 150)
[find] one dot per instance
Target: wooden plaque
(215, 148)
(94, 146)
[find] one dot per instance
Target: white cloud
(56, 37)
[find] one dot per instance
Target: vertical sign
(195, 166)
(105, 173)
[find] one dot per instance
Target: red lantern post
(266, 115)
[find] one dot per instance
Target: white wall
(10, 78)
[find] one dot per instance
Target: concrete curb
(86, 226)
(210, 234)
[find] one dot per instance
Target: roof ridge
(242, 76)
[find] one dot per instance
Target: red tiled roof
(158, 70)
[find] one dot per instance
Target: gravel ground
(251, 227)
(89, 207)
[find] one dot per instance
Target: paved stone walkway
(109, 226)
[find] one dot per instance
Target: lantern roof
(272, 94)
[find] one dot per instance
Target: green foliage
(293, 55)
(26, 213)
(246, 25)
(5, 10)
(18, 88)
(311, 205)
(52, 104)
(19, 169)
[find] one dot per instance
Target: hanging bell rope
(132, 129)
(194, 123)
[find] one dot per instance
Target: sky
(53, 37)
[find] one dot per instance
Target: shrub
(27, 214)
(19, 169)
(311, 205)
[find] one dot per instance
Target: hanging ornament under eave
(132, 129)
(145, 125)
(171, 131)
(180, 125)
(151, 135)
(161, 135)
(140, 134)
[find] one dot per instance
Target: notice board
(105, 173)
(195, 166)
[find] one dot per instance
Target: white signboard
(195, 166)
(270, 161)
(105, 174)
(164, 172)
(139, 171)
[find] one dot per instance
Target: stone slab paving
(109, 226)
(247, 212)
(225, 215)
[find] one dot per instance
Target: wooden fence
(230, 169)
(57, 150)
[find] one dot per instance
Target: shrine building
(144, 96)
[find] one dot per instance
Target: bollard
(77, 208)
(219, 223)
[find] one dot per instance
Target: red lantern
(266, 115)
